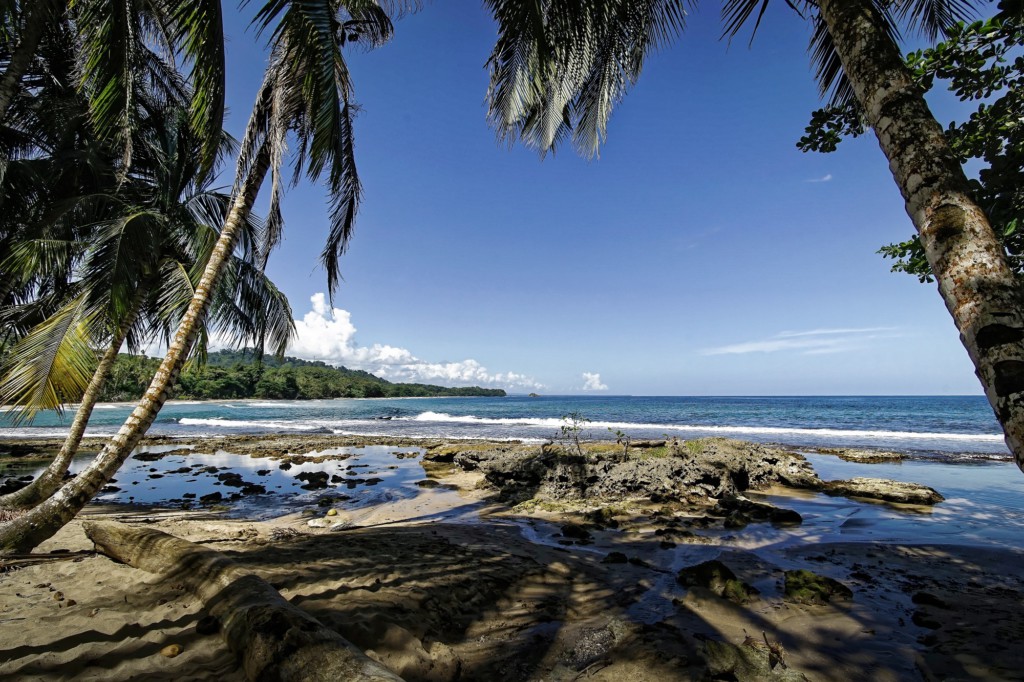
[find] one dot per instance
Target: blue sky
(702, 254)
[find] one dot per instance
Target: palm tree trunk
(52, 478)
(974, 278)
(26, 532)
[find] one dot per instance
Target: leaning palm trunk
(975, 281)
(50, 481)
(42, 522)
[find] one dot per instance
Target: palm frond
(559, 68)
(933, 18)
(53, 364)
(111, 43)
(199, 28)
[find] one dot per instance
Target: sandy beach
(454, 583)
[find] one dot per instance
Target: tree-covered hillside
(236, 374)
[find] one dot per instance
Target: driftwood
(11, 562)
(274, 639)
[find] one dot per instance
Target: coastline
(545, 600)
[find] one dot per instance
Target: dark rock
(109, 489)
(785, 517)
(263, 472)
(189, 496)
(253, 489)
(156, 475)
(747, 510)
(718, 578)
(928, 599)
(736, 519)
(211, 498)
(614, 558)
(575, 531)
(10, 485)
(285, 466)
(337, 478)
(231, 479)
(428, 483)
(923, 619)
(314, 480)
(806, 587)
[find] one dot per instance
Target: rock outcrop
(659, 473)
(883, 489)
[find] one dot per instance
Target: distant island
(236, 374)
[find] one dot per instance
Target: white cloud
(813, 342)
(327, 334)
(824, 178)
(592, 382)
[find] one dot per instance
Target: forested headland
(234, 374)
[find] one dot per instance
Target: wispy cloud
(592, 382)
(824, 178)
(811, 342)
(327, 334)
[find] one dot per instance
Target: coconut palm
(116, 41)
(558, 69)
(307, 95)
(136, 278)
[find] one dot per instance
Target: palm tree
(306, 92)
(557, 71)
(116, 41)
(137, 277)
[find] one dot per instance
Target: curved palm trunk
(967, 258)
(52, 478)
(26, 532)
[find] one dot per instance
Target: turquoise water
(952, 442)
(949, 427)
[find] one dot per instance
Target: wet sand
(443, 583)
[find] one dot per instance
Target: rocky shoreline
(592, 562)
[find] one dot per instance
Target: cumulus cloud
(327, 334)
(812, 342)
(592, 382)
(824, 178)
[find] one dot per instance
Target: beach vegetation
(557, 74)
(101, 253)
(979, 63)
(571, 431)
(237, 374)
(696, 446)
(622, 439)
(306, 96)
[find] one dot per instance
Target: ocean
(952, 443)
(925, 427)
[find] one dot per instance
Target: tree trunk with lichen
(967, 258)
(42, 522)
